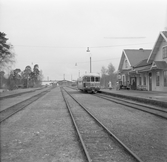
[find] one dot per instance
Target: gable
(124, 62)
(164, 34)
(161, 41)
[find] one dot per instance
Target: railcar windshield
(91, 79)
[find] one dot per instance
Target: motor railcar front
(89, 83)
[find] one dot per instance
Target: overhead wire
(84, 48)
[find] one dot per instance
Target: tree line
(108, 74)
(16, 78)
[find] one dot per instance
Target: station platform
(18, 91)
(149, 97)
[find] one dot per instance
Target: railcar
(89, 83)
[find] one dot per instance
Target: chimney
(141, 49)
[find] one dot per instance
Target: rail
(10, 111)
(132, 154)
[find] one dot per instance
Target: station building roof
(134, 56)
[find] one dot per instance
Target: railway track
(8, 112)
(98, 142)
(157, 111)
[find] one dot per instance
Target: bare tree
(108, 74)
(111, 69)
(103, 70)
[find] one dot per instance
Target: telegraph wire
(76, 63)
(81, 46)
(99, 60)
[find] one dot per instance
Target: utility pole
(90, 65)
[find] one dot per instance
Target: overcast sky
(55, 34)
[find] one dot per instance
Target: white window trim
(162, 52)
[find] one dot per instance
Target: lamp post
(90, 64)
(79, 73)
(90, 59)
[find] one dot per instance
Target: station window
(123, 79)
(165, 78)
(139, 80)
(144, 80)
(157, 78)
(164, 52)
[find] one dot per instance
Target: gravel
(143, 133)
(43, 132)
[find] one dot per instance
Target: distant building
(65, 83)
(48, 82)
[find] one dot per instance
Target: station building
(145, 69)
(130, 58)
